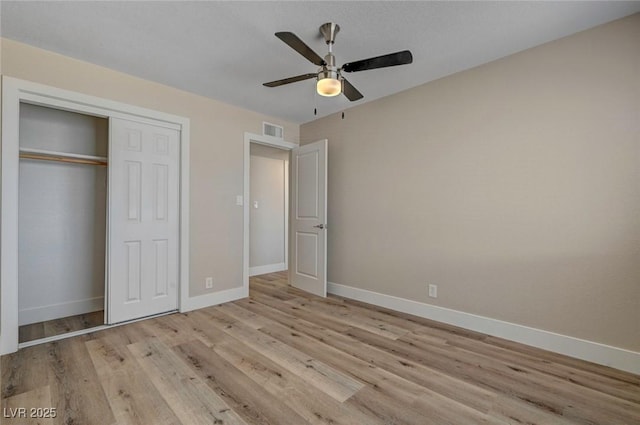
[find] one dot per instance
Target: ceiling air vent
(272, 130)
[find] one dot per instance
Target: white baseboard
(606, 355)
(269, 268)
(55, 311)
(202, 301)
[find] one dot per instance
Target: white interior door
(308, 269)
(143, 220)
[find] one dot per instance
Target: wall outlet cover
(433, 291)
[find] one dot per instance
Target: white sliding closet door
(143, 220)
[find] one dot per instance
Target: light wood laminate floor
(60, 326)
(284, 357)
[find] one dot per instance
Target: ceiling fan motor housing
(329, 69)
(328, 73)
(329, 81)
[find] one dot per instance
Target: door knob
(319, 226)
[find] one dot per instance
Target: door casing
(266, 141)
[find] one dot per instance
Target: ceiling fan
(330, 79)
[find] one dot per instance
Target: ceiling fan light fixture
(329, 77)
(328, 84)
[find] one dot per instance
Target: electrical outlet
(208, 283)
(433, 291)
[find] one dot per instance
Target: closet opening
(62, 221)
(94, 230)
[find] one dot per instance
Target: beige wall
(513, 186)
(216, 168)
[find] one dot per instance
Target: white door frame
(15, 91)
(266, 141)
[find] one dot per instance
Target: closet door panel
(133, 282)
(161, 277)
(160, 190)
(134, 190)
(143, 211)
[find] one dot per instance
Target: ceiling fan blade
(392, 59)
(299, 46)
(290, 80)
(350, 92)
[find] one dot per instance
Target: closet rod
(62, 159)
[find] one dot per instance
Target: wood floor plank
(60, 326)
(190, 398)
(174, 329)
(210, 335)
(500, 377)
(249, 318)
(563, 365)
(313, 405)
(462, 392)
(75, 388)
(17, 409)
(605, 384)
(514, 411)
(452, 388)
(273, 293)
(129, 334)
(132, 396)
(399, 391)
(27, 371)
(252, 402)
(328, 322)
(322, 376)
(549, 356)
(31, 332)
(343, 314)
(391, 411)
(363, 370)
(556, 390)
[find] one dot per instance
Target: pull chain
(315, 102)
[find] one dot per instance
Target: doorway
(62, 191)
(308, 211)
(266, 147)
(269, 209)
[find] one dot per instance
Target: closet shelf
(74, 158)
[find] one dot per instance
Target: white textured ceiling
(226, 50)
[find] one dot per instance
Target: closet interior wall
(62, 215)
